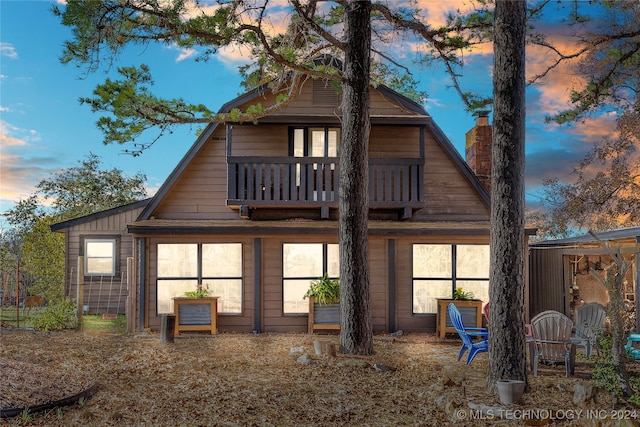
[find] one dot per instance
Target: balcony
(312, 182)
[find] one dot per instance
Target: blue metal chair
(467, 335)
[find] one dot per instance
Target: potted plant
(469, 307)
(196, 311)
(198, 293)
(324, 303)
(461, 295)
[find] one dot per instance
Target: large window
(100, 256)
(439, 269)
(216, 266)
(301, 264)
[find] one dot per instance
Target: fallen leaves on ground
(247, 380)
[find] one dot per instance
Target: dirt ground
(247, 380)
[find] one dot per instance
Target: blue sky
(43, 128)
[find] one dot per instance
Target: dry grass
(246, 380)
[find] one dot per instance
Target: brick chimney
(478, 149)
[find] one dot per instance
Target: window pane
(472, 261)
(222, 260)
(425, 293)
(99, 257)
(333, 260)
(432, 261)
(167, 289)
(333, 143)
(302, 260)
(99, 249)
(479, 288)
(177, 260)
(229, 293)
(293, 296)
(99, 266)
(317, 143)
(298, 142)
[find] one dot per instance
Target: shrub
(59, 315)
(605, 377)
(324, 290)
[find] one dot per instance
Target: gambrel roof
(415, 114)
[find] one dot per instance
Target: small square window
(100, 257)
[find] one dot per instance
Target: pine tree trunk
(356, 335)
(507, 354)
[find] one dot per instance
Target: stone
(295, 351)
(582, 394)
(383, 368)
(353, 363)
(305, 360)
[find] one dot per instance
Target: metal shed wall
(546, 281)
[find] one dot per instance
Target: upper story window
(100, 256)
(314, 142)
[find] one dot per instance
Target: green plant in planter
(198, 293)
(324, 290)
(462, 295)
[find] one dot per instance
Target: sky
(44, 128)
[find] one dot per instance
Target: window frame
(454, 279)
(325, 269)
(115, 255)
(199, 277)
(306, 143)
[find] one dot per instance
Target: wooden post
(18, 293)
(80, 291)
(130, 307)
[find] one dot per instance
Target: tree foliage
(102, 30)
(70, 193)
(603, 200)
(608, 59)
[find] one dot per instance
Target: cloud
(183, 53)
(7, 49)
(23, 164)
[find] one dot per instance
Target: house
(251, 211)
(560, 272)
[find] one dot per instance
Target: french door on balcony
(321, 142)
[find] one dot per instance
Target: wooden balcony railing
(313, 182)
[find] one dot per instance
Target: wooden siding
(101, 294)
(378, 288)
(448, 194)
(303, 105)
(201, 191)
(259, 140)
(394, 141)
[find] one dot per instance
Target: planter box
(471, 312)
(196, 314)
(323, 316)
